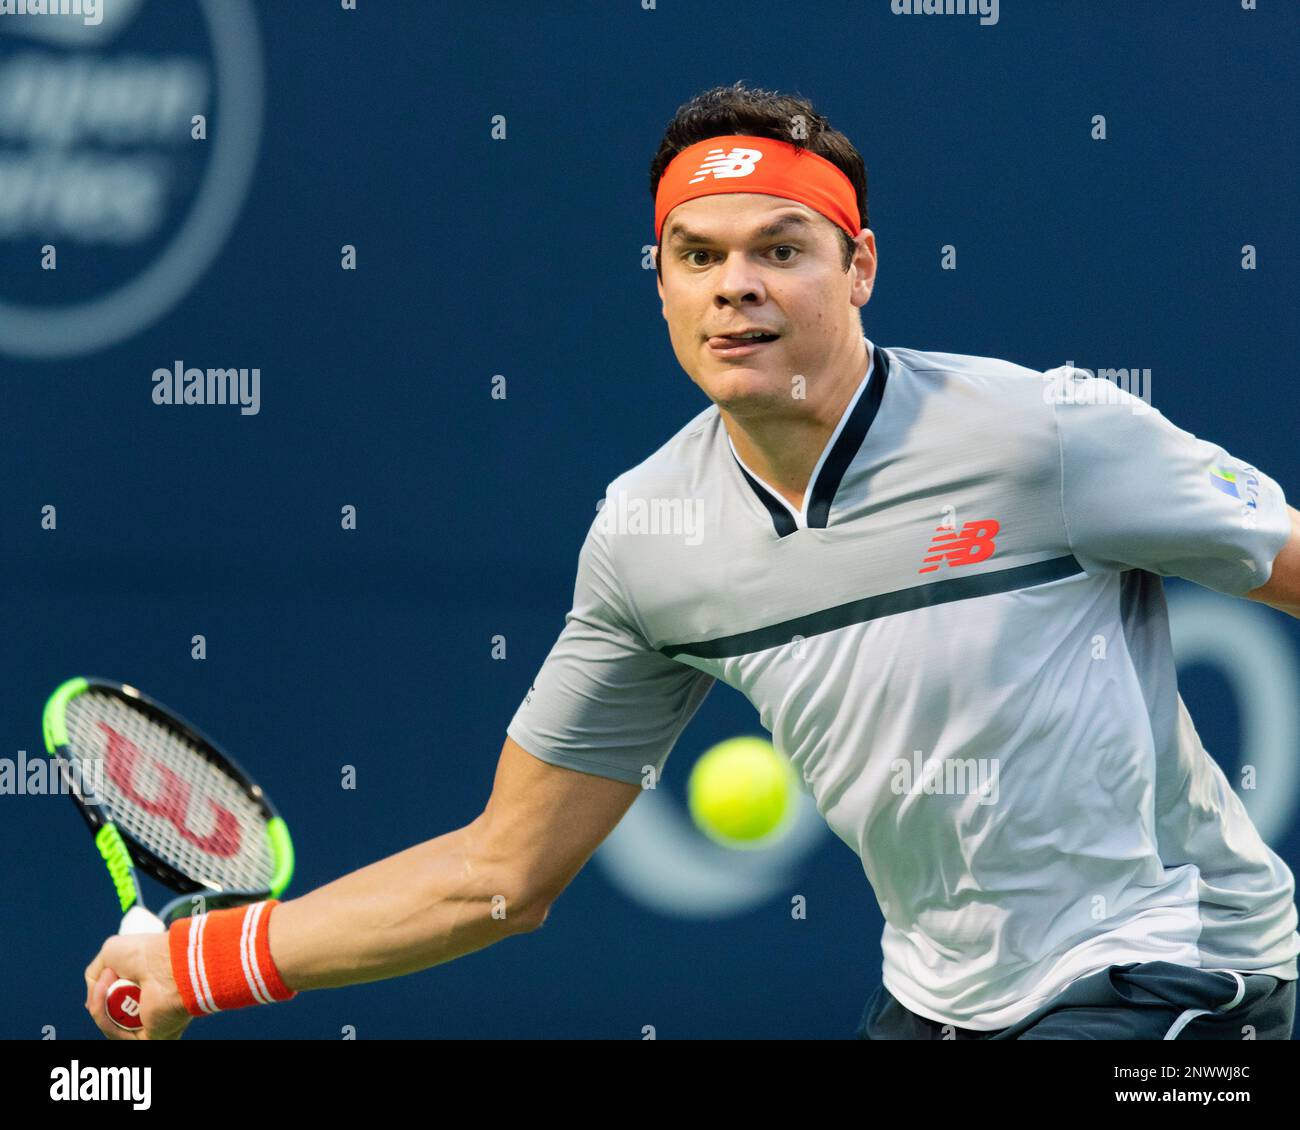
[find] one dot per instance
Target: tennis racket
(162, 799)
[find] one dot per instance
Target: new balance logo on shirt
(832, 625)
(974, 543)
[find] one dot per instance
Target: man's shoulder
(1032, 397)
(679, 463)
(958, 389)
(964, 366)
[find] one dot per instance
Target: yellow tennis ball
(741, 792)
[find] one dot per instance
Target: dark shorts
(1149, 1000)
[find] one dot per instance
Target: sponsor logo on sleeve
(1241, 484)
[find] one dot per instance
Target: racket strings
(161, 790)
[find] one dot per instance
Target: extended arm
(435, 901)
(438, 900)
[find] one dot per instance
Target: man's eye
(779, 247)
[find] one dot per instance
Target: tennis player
(906, 559)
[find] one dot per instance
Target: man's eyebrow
(680, 234)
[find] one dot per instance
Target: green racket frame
(121, 853)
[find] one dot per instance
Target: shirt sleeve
(1140, 493)
(604, 701)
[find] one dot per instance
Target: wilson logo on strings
(127, 763)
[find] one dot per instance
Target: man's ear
(864, 268)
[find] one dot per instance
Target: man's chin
(742, 392)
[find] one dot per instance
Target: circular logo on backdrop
(102, 175)
(658, 857)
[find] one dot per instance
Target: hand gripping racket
(162, 798)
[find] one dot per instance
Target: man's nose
(738, 278)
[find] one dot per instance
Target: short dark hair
(764, 113)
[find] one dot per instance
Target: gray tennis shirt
(961, 642)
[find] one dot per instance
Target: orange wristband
(222, 960)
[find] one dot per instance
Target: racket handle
(137, 920)
(122, 1003)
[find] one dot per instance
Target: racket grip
(138, 920)
(122, 1003)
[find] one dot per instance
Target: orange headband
(739, 163)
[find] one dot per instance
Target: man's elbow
(535, 919)
(1275, 601)
(1282, 590)
(523, 906)
(519, 909)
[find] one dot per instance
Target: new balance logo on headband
(736, 163)
(767, 166)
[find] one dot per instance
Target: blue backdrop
(523, 256)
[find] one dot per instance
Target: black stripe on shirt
(874, 607)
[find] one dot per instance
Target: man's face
(742, 260)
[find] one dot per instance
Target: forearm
(423, 906)
(1289, 607)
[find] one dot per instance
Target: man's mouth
(730, 345)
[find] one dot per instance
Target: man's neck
(783, 450)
